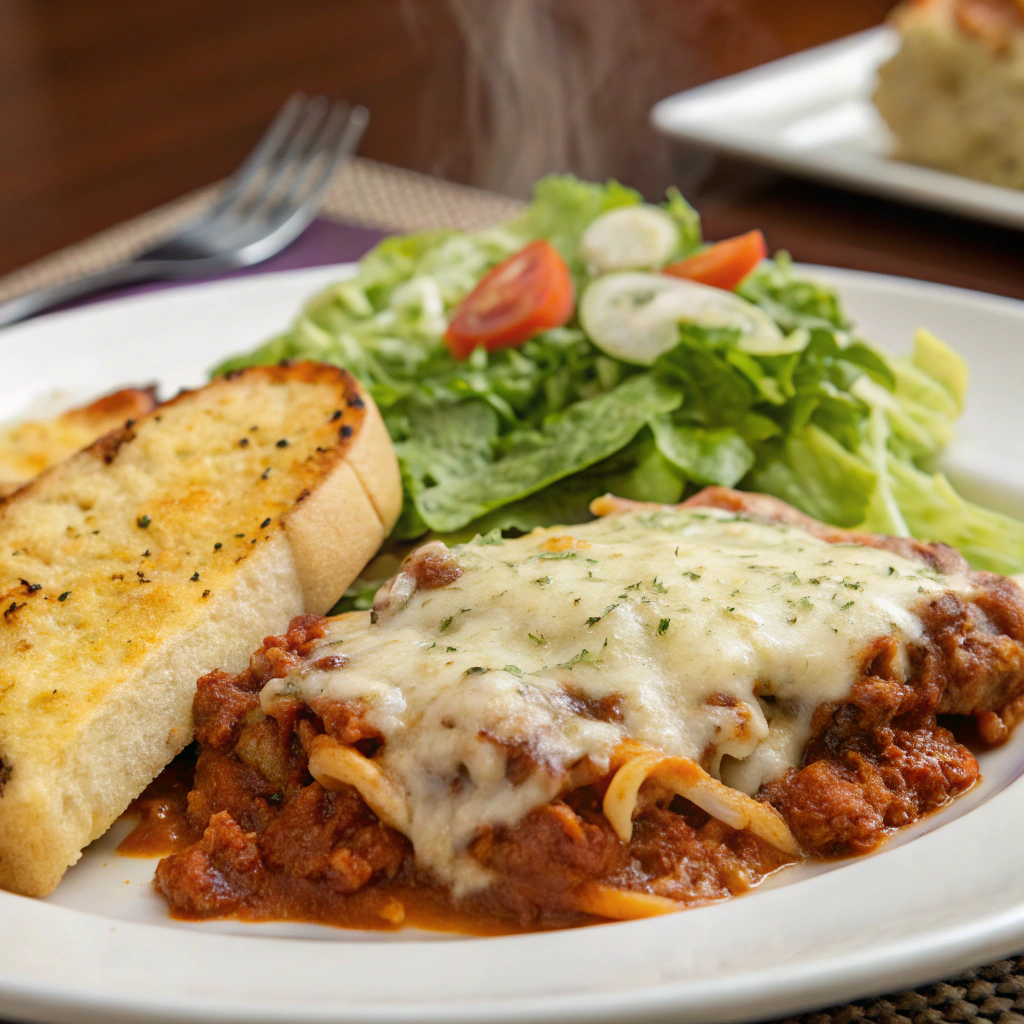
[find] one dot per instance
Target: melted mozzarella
(712, 636)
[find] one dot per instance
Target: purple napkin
(323, 242)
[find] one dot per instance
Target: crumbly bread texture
(953, 95)
(165, 550)
(29, 447)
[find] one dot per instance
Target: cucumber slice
(635, 316)
(629, 238)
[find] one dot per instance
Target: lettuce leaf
(791, 301)
(638, 471)
(933, 510)
(705, 455)
(587, 432)
(816, 474)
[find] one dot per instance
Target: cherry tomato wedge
(725, 264)
(528, 293)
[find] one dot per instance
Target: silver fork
(266, 204)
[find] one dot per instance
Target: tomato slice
(528, 293)
(725, 264)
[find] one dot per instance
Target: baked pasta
(653, 710)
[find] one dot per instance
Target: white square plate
(811, 115)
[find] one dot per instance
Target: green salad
(648, 385)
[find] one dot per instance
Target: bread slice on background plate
(164, 550)
(953, 95)
(30, 446)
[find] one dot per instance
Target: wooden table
(111, 109)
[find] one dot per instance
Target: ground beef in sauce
(276, 844)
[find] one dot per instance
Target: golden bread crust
(29, 447)
(166, 549)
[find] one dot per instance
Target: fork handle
(41, 299)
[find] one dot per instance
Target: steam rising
(567, 85)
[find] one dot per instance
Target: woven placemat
(363, 192)
(375, 195)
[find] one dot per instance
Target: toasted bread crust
(166, 549)
(29, 447)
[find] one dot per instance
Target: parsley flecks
(538, 640)
(663, 626)
(584, 657)
(444, 625)
(846, 607)
(690, 574)
(548, 555)
(474, 671)
(543, 581)
(594, 619)
(194, 577)
(265, 523)
(791, 577)
(283, 443)
(143, 522)
(64, 596)
(514, 670)
(451, 650)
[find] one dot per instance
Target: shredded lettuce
(528, 436)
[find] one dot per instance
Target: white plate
(948, 894)
(811, 114)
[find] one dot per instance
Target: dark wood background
(109, 109)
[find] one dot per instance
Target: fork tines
(293, 160)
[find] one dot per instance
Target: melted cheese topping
(704, 635)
